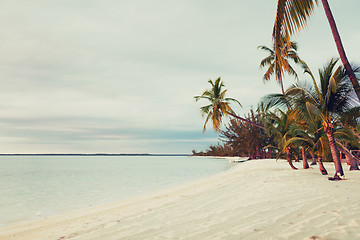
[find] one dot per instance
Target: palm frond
(291, 17)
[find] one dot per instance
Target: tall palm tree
(273, 66)
(292, 16)
(219, 104)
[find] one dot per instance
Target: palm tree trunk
(348, 161)
(313, 159)
(288, 157)
(329, 131)
(281, 83)
(321, 166)
(250, 155)
(349, 157)
(353, 163)
(340, 48)
(305, 163)
(245, 120)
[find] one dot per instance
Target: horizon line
(94, 154)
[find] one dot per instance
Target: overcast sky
(110, 76)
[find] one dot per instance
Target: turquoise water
(33, 187)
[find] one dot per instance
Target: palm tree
(309, 137)
(219, 105)
(278, 125)
(328, 103)
(300, 139)
(292, 16)
(274, 68)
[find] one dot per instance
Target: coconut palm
(328, 103)
(278, 125)
(300, 139)
(292, 16)
(304, 131)
(273, 66)
(219, 104)
(310, 137)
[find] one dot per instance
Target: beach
(259, 199)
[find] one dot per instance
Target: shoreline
(262, 199)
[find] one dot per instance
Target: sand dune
(260, 199)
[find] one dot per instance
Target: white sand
(260, 199)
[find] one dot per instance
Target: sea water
(32, 187)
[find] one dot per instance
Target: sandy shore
(261, 199)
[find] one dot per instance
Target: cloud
(120, 76)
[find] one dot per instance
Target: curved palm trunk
(281, 84)
(288, 158)
(353, 163)
(305, 163)
(313, 159)
(329, 131)
(321, 166)
(340, 48)
(349, 157)
(245, 120)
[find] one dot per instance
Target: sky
(120, 76)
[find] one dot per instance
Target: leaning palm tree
(292, 16)
(345, 139)
(219, 105)
(273, 66)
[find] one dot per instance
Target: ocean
(33, 187)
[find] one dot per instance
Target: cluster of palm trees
(318, 120)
